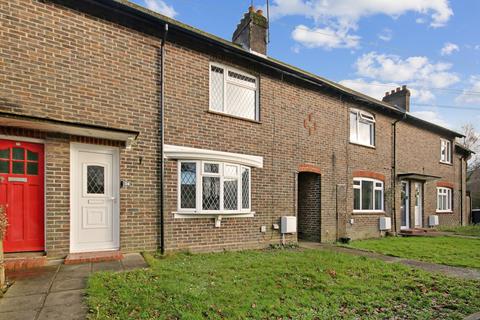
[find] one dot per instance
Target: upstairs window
(233, 92)
(444, 200)
(362, 128)
(367, 195)
(445, 151)
(213, 187)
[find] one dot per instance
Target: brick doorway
(309, 206)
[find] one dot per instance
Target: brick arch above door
(306, 167)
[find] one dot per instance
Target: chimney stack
(399, 98)
(251, 32)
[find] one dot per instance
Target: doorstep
(98, 256)
(422, 232)
(25, 260)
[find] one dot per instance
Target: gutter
(394, 171)
(162, 142)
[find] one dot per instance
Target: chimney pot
(398, 89)
(392, 92)
(404, 87)
(260, 12)
(387, 93)
(251, 9)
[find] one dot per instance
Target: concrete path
(465, 273)
(56, 292)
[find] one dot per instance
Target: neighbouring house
(473, 185)
(95, 94)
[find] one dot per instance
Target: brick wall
(309, 206)
(62, 64)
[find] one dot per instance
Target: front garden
(279, 284)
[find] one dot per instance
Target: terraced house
(123, 130)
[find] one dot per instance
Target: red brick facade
(60, 63)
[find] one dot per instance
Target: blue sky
(371, 46)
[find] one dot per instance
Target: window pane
(216, 78)
(365, 133)
(378, 199)
(356, 199)
(230, 194)
(32, 168)
(353, 126)
(211, 167)
(367, 195)
(4, 167)
(444, 203)
(188, 181)
(245, 188)
(95, 180)
(211, 193)
(32, 156)
(230, 171)
(18, 167)
(241, 101)
(5, 154)
(18, 154)
(356, 182)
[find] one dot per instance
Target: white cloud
(324, 37)
(471, 95)
(416, 70)
(348, 12)
(386, 35)
(339, 17)
(449, 48)
(431, 116)
(161, 7)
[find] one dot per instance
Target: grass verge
(278, 284)
(452, 251)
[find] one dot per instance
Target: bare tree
(472, 142)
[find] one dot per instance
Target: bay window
(367, 195)
(444, 199)
(362, 128)
(213, 187)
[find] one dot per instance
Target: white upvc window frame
(227, 79)
(375, 188)
(447, 193)
(447, 146)
(365, 117)
(200, 174)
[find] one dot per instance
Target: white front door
(418, 205)
(94, 186)
(405, 206)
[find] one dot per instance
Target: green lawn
(453, 251)
(278, 284)
(472, 230)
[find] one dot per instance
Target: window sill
(446, 163)
(362, 145)
(193, 215)
(448, 212)
(234, 117)
(362, 212)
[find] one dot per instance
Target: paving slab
(19, 315)
(23, 303)
(65, 298)
(56, 292)
(72, 312)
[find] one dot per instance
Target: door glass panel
(18, 154)
(4, 166)
(95, 180)
(32, 168)
(32, 156)
(5, 154)
(18, 167)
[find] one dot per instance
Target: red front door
(21, 193)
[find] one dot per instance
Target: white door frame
(407, 206)
(418, 208)
(75, 183)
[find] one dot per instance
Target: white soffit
(188, 153)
